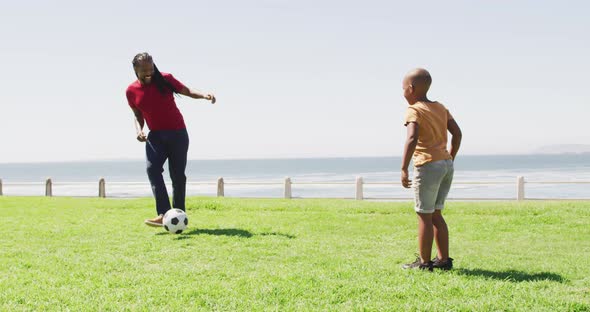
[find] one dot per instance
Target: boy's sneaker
(443, 265)
(156, 222)
(418, 265)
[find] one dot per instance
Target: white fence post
(48, 187)
(359, 188)
(1, 187)
(101, 188)
(288, 188)
(520, 188)
(220, 188)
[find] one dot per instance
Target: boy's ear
(411, 88)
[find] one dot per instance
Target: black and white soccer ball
(175, 221)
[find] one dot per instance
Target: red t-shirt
(159, 110)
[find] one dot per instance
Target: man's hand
(211, 98)
(406, 182)
(141, 137)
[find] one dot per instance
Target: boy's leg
(441, 235)
(441, 230)
(156, 154)
(425, 236)
(426, 185)
(177, 166)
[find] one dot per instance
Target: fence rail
(287, 184)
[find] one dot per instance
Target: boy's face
(408, 90)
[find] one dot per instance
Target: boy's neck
(423, 98)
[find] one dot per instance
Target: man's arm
(139, 123)
(197, 95)
(409, 148)
(455, 131)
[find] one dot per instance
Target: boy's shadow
(227, 232)
(513, 275)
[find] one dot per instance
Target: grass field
(84, 254)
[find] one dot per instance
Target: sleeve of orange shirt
(411, 116)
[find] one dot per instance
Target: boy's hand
(406, 182)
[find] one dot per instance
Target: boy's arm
(409, 148)
(455, 131)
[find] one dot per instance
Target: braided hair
(162, 84)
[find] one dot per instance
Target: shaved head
(419, 78)
(416, 84)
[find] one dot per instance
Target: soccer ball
(175, 221)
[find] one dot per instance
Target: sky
(292, 78)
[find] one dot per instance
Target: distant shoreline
(105, 160)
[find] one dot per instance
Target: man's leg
(156, 156)
(177, 166)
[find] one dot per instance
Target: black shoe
(418, 265)
(443, 265)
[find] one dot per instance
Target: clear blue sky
(293, 78)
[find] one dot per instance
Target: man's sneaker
(443, 265)
(418, 265)
(155, 222)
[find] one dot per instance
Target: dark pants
(171, 145)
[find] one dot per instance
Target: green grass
(270, 254)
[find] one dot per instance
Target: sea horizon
(497, 173)
(115, 159)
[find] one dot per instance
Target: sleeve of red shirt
(130, 98)
(178, 86)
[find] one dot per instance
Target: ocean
(565, 176)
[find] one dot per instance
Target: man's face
(145, 72)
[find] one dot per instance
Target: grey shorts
(432, 182)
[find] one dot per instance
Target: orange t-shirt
(432, 121)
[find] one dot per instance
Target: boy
(427, 123)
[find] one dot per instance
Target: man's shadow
(513, 275)
(228, 232)
(219, 232)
